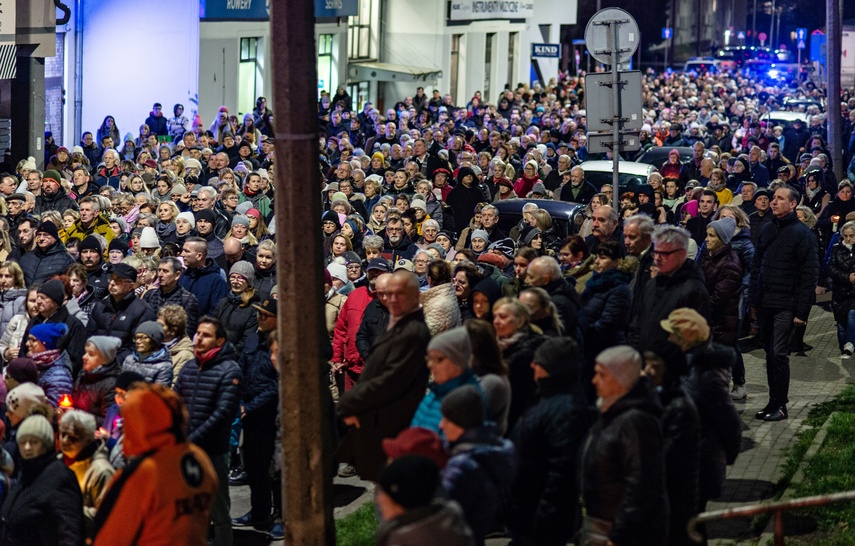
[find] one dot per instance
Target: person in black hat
(92, 258)
(206, 227)
(465, 196)
(762, 213)
(50, 303)
(49, 257)
(121, 312)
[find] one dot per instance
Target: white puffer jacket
(440, 308)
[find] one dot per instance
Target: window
(359, 32)
(358, 91)
(513, 38)
(455, 63)
(250, 73)
(325, 48)
(488, 64)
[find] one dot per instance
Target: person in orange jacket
(164, 494)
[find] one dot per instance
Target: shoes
(237, 477)
(738, 392)
(778, 414)
(246, 520)
(277, 532)
(763, 412)
(848, 349)
(347, 471)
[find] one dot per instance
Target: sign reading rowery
(468, 10)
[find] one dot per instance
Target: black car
(566, 217)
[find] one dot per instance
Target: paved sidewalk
(815, 378)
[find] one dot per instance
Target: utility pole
(835, 38)
(754, 24)
(303, 398)
(772, 27)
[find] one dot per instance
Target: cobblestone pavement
(814, 378)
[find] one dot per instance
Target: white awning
(386, 72)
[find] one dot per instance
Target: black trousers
(259, 437)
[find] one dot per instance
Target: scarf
(45, 358)
(207, 356)
(511, 340)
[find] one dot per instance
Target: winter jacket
(179, 296)
(841, 264)
(55, 378)
(207, 284)
(59, 202)
(744, 248)
(785, 268)
(75, 339)
(663, 294)
(569, 306)
(581, 194)
(606, 302)
(12, 302)
(261, 381)
(388, 392)
(45, 507)
(332, 309)
(265, 280)
(621, 471)
(120, 319)
(93, 472)
(181, 351)
(439, 304)
(479, 475)
(723, 278)
(155, 367)
(239, 320)
(94, 391)
(757, 221)
(212, 394)
(101, 226)
(40, 265)
(13, 335)
(374, 321)
(548, 439)
(463, 201)
(440, 522)
(344, 336)
(721, 428)
(518, 356)
(428, 414)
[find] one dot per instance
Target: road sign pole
(616, 107)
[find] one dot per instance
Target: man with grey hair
(527, 220)
(207, 199)
(675, 282)
(545, 272)
(638, 240)
(626, 503)
(758, 170)
(604, 227)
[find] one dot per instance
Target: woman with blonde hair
(13, 292)
(236, 310)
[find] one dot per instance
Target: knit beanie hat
(245, 270)
(538, 188)
(23, 370)
(152, 329)
(208, 215)
(438, 248)
(243, 207)
(418, 204)
(48, 227)
(90, 242)
(118, 244)
(123, 225)
(416, 441)
(480, 234)
(37, 426)
(51, 174)
(455, 345)
(725, 228)
(189, 217)
(505, 246)
(623, 362)
(464, 407)
(410, 481)
(559, 356)
(338, 271)
(148, 238)
(108, 346)
(125, 379)
(528, 233)
(23, 397)
(54, 289)
(240, 219)
(49, 333)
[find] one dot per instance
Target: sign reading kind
(546, 50)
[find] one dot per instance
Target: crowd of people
(489, 377)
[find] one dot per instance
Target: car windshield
(627, 182)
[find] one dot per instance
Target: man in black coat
(697, 226)
(678, 282)
(92, 258)
(50, 303)
(53, 196)
(465, 196)
(604, 227)
(795, 138)
(578, 190)
(120, 313)
(169, 272)
(374, 318)
(393, 382)
(49, 257)
(782, 291)
(545, 272)
(638, 239)
(624, 494)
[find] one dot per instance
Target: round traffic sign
(599, 35)
(762, 36)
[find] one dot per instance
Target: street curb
(768, 536)
(366, 497)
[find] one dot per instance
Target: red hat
(150, 163)
(442, 170)
(490, 258)
(505, 182)
(254, 212)
(417, 441)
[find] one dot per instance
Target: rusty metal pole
(306, 464)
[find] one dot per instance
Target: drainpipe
(78, 70)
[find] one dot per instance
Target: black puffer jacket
(207, 284)
(785, 268)
(842, 263)
(40, 265)
(621, 471)
(708, 385)
(548, 439)
(261, 388)
(265, 280)
(723, 277)
(374, 321)
(179, 296)
(93, 391)
(569, 306)
(45, 507)
(663, 294)
(212, 394)
(120, 319)
(607, 301)
(518, 357)
(240, 321)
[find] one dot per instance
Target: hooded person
(150, 358)
(449, 355)
(164, 472)
(44, 345)
(94, 387)
(45, 505)
(483, 296)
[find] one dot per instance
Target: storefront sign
(259, 10)
(469, 10)
(547, 51)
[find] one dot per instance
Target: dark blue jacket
(207, 284)
(179, 296)
(212, 395)
(607, 301)
(261, 389)
(40, 265)
(55, 378)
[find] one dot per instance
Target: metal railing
(778, 508)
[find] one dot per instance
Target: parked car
(784, 118)
(631, 174)
(566, 217)
(657, 155)
(702, 65)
